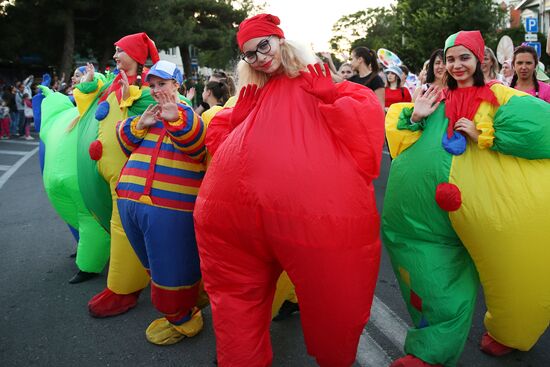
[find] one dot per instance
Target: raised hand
(124, 85)
(426, 103)
(90, 71)
(148, 118)
(246, 102)
(168, 108)
(326, 55)
(191, 93)
(320, 84)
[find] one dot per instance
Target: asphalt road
(44, 320)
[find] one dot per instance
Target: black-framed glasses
(263, 47)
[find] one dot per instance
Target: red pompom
(448, 197)
(95, 150)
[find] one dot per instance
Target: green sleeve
(404, 120)
(87, 87)
(522, 128)
(140, 105)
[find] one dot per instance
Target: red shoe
(107, 303)
(411, 361)
(492, 347)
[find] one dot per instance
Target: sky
(311, 21)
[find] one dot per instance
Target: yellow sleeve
(209, 114)
(399, 139)
(135, 94)
(484, 117)
(84, 100)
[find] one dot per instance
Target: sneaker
(82, 276)
(5, 137)
(29, 137)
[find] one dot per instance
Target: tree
(414, 28)
(55, 29)
(372, 27)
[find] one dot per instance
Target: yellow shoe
(191, 327)
(162, 332)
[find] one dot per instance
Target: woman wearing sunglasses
(290, 188)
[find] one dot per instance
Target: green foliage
(39, 27)
(414, 28)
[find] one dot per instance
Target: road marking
(370, 353)
(391, 325)
(20, 142)
(13, 152)
(4, 178)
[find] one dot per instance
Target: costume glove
(246, 102)
(320, 85)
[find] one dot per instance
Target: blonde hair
(294, 58)
(495, 67)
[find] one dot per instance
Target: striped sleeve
(129, 137)
(187, 133)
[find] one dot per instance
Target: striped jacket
(166, 162)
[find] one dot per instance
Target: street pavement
(44, 319)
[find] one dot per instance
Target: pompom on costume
(455, 208)
(100, 160)
(290, 188)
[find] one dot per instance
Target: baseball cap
(165, 70)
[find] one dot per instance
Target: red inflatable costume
(290, 187)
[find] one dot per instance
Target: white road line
(13, 152)
(4, 178)
(370, 353)
(4, 168)
(20, 142)
(391, 325)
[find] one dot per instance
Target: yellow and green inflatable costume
(498, 229)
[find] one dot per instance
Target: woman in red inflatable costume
(290, 188)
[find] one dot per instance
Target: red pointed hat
(472, 40)
(259, 26)
(139, 46)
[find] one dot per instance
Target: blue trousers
(164, 241)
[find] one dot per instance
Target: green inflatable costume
(61, 181)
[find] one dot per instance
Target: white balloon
(505, 49)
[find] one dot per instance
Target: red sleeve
(408, 97)
(218, 130)
(357, 120)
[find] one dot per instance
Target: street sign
(537, 47)
(531, 25)
(531, 37)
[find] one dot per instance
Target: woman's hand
(191, 93)
(246, 102)
(168, 108)
(320, 84)
(148, 118)
(90, 71)
(124, 85)
(467, 127)
(426, 104)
